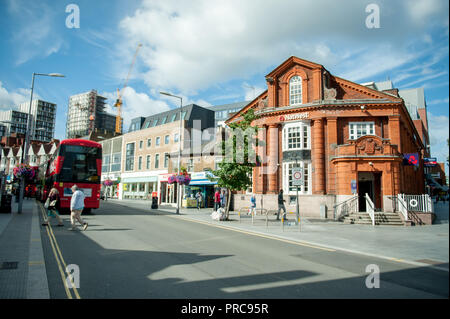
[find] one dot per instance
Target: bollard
(282, 223)
(252, 215)
(299, 225)
(267, 219)
(239, 212)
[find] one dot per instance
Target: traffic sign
(297, 176)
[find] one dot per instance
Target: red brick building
(341, 133)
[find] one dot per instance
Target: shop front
(199, 183)
(168, 192)
(139, 187)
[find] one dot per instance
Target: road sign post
(297, 180)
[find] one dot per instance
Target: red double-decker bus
(79, 162)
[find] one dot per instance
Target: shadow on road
(111, 273)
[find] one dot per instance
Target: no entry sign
(297, 176)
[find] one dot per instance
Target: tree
(239, 156)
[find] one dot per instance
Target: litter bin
(154, 200)
(6, 204)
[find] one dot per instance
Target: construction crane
(118, 103)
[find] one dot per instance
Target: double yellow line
(59, 258)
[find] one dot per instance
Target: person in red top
(217, 200)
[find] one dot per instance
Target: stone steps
(381, 218)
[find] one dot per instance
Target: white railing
(345, 208)
(402, 206)
(370, 209)
(417, 203)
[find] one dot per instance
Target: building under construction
(86, 114)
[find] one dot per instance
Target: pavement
(22, 265)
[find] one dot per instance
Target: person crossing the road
(76, 208)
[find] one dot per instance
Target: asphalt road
(130, 253)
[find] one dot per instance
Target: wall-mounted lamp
(370, 163)
(363, 107)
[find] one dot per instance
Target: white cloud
(34, 34)
(134, 105)
(11, 99)
(438, 131)
(190, 46)
(438, 101)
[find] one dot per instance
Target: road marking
(57, 253)
(256, 234)
(32, 263)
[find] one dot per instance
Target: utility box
(323, 211)
(6, 204)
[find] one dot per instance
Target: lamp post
(27, 135)
(179, 147)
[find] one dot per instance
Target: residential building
(43, 119)
(87, 112)
(14, 121)
(224, 111)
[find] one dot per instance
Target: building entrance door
(365, 186)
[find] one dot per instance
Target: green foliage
(239, 156)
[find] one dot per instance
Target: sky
(214, 52)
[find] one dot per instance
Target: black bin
(154, 202)
(6, 204)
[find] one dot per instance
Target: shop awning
(202, 182)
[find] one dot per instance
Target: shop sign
(430, 162)
(293, 117)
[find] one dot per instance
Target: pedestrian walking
(76, 208)
(217, 200)
(281, 205)
(252, 205)
(199, 197)
(53, 206)
(223, 199)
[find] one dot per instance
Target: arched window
(295, 90)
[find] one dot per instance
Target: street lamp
(179, 147)
(27, 135)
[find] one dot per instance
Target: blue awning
(202, 182)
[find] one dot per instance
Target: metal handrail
(370, 208)
(341, 205)
(402, 206)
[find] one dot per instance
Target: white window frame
(306, 189)
(298, 85)
(157, 157)
(353, 129)
(304, 127)
(148, 162)
(158, 138)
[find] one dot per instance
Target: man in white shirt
(76, 207)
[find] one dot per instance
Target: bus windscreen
(80, 164)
